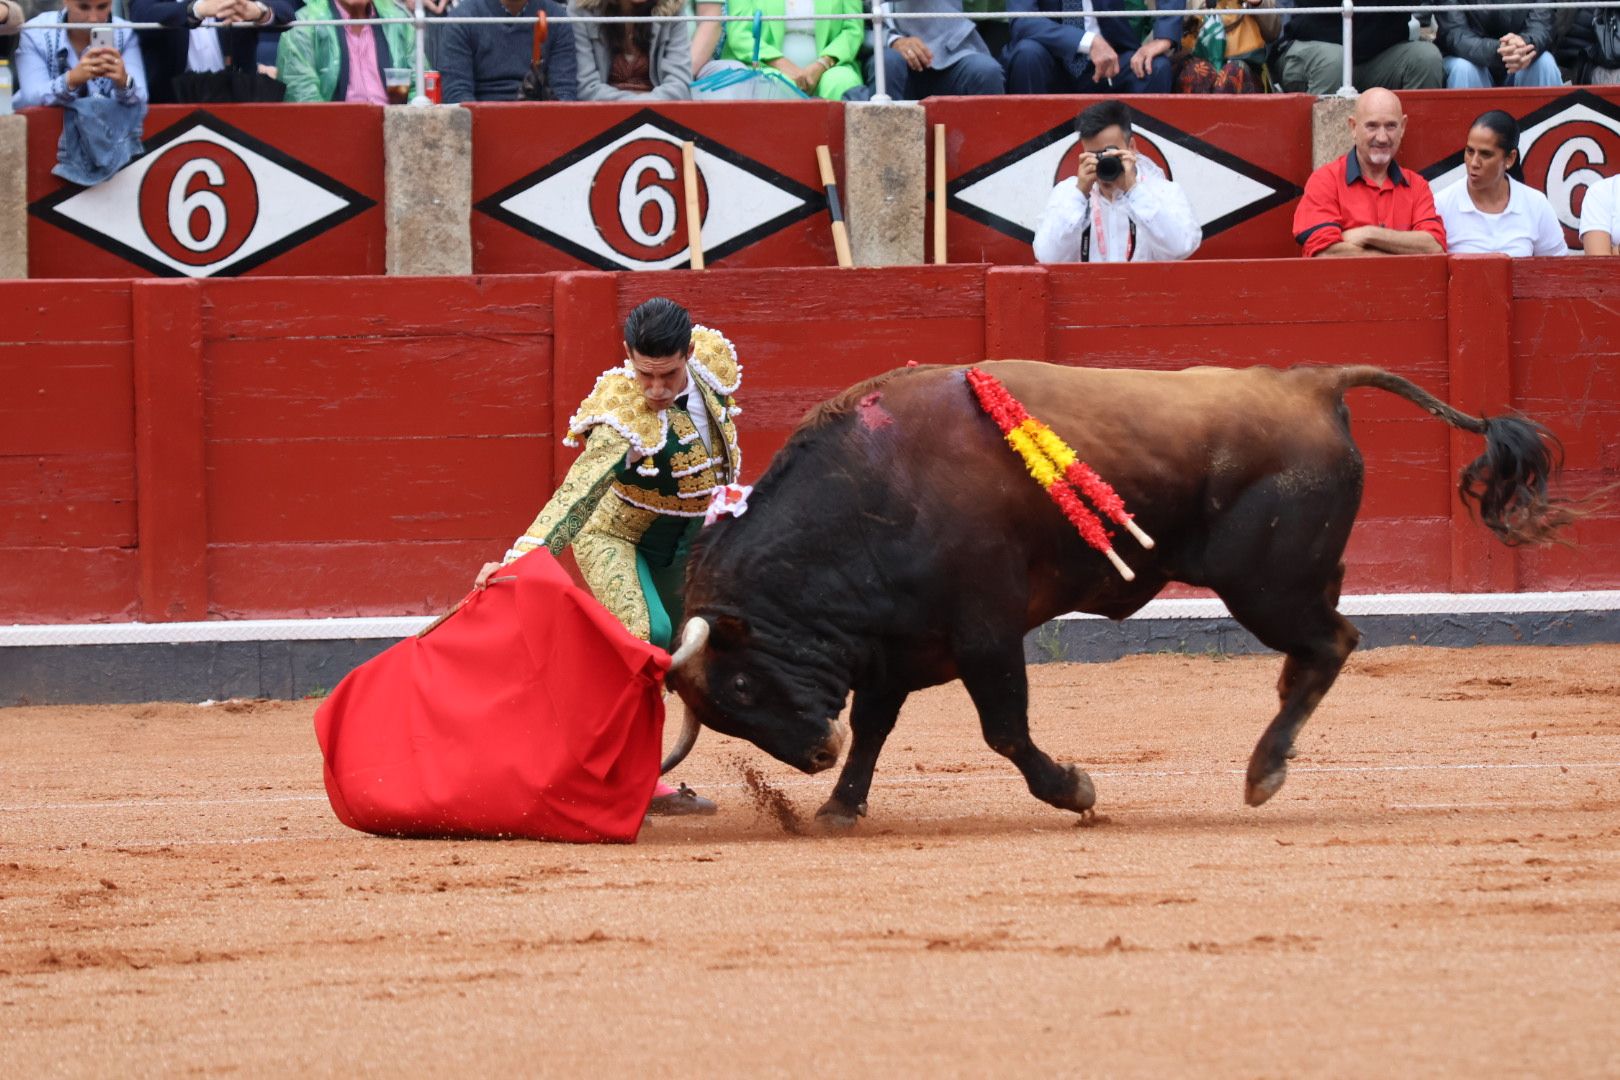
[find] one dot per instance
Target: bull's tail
(1506, 486)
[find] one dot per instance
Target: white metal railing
(1347, 9)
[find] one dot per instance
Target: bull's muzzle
(826, 755)
(693, 637)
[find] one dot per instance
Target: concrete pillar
(427, 175)
(886, 182)
(13, 197)
(1330, 129)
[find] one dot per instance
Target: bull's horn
(683, 745)
(693, 637)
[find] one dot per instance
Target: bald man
(1364, 203)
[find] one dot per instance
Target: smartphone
(102, 37)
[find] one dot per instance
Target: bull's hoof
(1080, 796)
(1256, 792)
(835, 816)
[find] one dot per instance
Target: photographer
(1119, 207)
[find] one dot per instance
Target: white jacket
(1166, 228)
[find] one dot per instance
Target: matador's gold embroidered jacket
(639, 465)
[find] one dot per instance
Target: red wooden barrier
(576, 187)
(370, 441)
(221, 191)
(1243, 167)
(67, 453)
(1565, 371)
(285, 447)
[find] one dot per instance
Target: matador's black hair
(658, 327)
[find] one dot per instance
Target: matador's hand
(482, 580)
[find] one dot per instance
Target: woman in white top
(1600, 217)
(1491, 211)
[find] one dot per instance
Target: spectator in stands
(816, 56)
(1591, 48)
(11, 20)
(488, 63)
(709, 35)
(201, 36)
(1364, 203)
(1119, 206)
(58, 66)
(627, 61)
(1492, 211)
(329, 63)
(1079, 54)
(923, 57)
(1226, 53)
(1498, 48)
(1383, 53)
(1600, 217)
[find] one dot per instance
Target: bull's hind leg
(999, 686)
(871, 718)
(1315, 640)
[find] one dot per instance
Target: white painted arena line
(343, 629)
(122, 803)
(1009, 777)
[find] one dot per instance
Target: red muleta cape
(531, 712)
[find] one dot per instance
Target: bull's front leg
(871, 718)
(999, 686)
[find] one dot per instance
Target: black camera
(1109, 166)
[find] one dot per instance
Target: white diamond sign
(617, 202)
(205, 199)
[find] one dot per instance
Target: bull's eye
(742, 687)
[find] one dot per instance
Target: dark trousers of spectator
(1032, 69)
(975, 73)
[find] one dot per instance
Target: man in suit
(202, 35)
(1074, 52)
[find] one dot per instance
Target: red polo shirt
(1337, 197)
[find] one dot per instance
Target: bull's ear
(728, 632)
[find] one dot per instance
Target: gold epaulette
(617, 401)
(715, 361)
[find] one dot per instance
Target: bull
(896, 542)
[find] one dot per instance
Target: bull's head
(738, 686)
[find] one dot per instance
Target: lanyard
(1102, 240)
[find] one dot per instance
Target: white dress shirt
(1165, 227)
(202, 48)
(1527, 226)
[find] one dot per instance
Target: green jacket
(838, 39)
(313, 63)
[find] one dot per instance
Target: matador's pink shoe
(668, 801)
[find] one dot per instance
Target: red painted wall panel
(222, 191)
(1566, 373)
(1242, 168)
(354, 424)
(583, 186)
(67, 452)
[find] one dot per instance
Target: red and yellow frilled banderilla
(1056, 467)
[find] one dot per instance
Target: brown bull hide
(897, 542)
